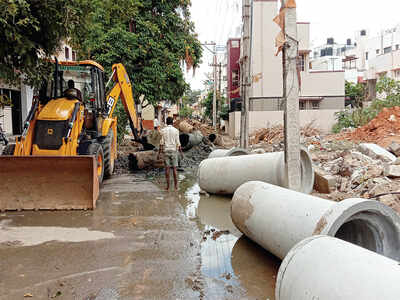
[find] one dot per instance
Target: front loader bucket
(51, 183)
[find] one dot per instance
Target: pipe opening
(361, 233)
(307, 172)
(212, 137)
(184, 139)
(373, 231)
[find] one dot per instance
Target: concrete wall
(322, 84)
(6, 120)
(264, 61)
(322, 120)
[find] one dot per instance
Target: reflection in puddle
(255, 268)
(229, 257)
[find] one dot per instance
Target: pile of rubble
(348, 170)
(271, 139)
(382, 130)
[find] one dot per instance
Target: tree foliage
(207, 103)
(389, 96)
(151, 38)
(31, 32)
(355, 92)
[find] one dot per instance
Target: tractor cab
(83, 81)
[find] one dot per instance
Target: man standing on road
(170, 145)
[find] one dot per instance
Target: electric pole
(291, 97)
(246, 59)
(215, 90)
(219, 87)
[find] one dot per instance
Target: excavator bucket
(48, 183)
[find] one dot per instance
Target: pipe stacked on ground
(228, 152)
(189, 140)
(277, 219)
(327, 268)
(223, 175)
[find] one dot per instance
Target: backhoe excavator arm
(123, 89)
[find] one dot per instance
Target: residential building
(333, 56)
(382, 53)
(21, 95)
(322, 92)
(233, 68)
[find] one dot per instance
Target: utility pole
(214, 65)
(215, 90)
(291, 98)
(219, 87)
(246, 59)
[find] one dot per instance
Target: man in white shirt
(170, 145)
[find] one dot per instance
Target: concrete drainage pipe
(189, 140)
(223, 175)
(323, 267)
(277, 219)
(227, 153)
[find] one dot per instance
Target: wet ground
(140, 243)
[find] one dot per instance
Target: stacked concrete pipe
(277, 219)
(228, 152)
(327, 268)
(189, 140)
(223, 175)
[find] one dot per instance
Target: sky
(217, 20)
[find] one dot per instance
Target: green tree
(355, 92)
(151, 38)
(31, 32)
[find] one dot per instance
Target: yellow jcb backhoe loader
(69, 141)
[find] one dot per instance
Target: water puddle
(31, 236)
(226, 254)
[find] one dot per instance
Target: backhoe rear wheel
(109, 148)
(9, 149)
(96, 150)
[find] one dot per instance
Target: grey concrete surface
(140, 243)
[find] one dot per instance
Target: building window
(73, 55)
(302, 105)
(235, 44)
(235, 78)
(397, 73)
(397, 47)
(366, 55)
(377, 51)
(66, 53)
(315, 105)
(387, 50)
(301, 62)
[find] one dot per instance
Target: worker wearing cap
(170, 145)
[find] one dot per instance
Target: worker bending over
(170, 145)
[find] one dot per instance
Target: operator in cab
(72, 92)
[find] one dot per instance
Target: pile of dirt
(382, 130)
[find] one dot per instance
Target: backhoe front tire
(96, 150)
(9, 149)
(109, 161)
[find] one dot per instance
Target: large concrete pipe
(189, 140)
(323, 267)
(228, 152)
(223, 175)
(277, 219)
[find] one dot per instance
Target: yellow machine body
(58, 175)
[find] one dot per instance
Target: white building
(322, 93)
(334, 56)
(366, 60)
(12, 118)
(382, 55)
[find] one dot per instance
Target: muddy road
(140, 243)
